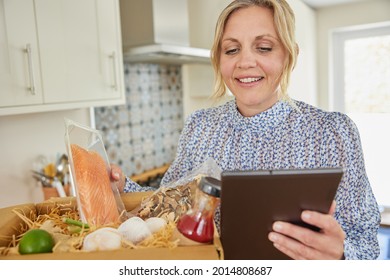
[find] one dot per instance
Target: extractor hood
(157, 31)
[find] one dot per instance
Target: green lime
(36, 241)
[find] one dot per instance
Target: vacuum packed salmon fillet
(97, 200)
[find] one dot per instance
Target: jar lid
(210, 186)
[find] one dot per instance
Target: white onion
(155, 224)
(103, 239)
(134, 230)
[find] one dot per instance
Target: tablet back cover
(252, 200)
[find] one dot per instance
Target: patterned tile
(143, 134)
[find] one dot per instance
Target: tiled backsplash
(143, 134)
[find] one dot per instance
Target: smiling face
(252, 59)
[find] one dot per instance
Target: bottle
(198, 223)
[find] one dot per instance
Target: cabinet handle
(30, 69)
(113, 57)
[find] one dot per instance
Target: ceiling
(325, 3)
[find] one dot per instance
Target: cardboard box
(11, 224)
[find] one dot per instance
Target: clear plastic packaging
(208, 168)
(98, 198)
(174, 199)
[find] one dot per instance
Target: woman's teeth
(249, 80)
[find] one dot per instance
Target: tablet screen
(252, 200)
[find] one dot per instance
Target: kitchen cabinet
(19, 67)
(59, 54)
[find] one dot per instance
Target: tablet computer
(252, 200)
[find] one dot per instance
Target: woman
(253, 55)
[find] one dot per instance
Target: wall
(342, 16)
(203, 15)
(303, 84)
(143, 134)
(23, 138)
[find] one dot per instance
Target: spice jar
(198, 223)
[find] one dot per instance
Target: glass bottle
(198, 223)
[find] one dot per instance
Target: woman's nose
(246, 59)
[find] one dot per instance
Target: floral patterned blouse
(288, 135)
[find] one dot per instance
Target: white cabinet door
(20, 80)
(79, 50)
(110, 46)
(74, 58)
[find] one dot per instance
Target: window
(360, 87)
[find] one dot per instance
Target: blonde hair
(284, 21)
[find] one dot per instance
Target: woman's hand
(302, 243)
(118, 177)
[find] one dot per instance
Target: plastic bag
(174, 199)
(98, 199)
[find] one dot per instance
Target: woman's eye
(264, 49)
(231, 51)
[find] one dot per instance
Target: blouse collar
(266, 119)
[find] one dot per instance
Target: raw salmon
(97, 200)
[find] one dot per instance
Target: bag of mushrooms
(171, 201)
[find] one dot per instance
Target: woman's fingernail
(273, 237)
(306, 215)
(277, 226)
(116, 175)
